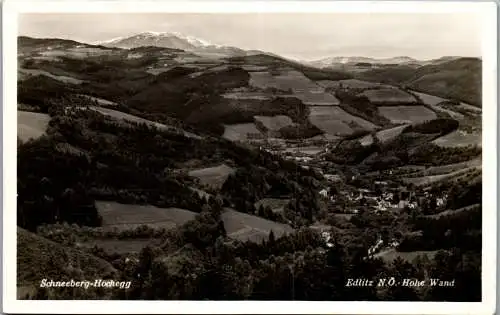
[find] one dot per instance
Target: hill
(458, 79)
(39, 258)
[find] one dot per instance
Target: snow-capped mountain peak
(150, 37)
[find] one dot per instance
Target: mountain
(173, 40)
(332, 61)
(447, 77)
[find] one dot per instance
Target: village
(377, 195)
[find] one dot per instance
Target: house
(324, 193)
(440, 202)
(403, 203)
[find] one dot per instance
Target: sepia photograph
(281, 155)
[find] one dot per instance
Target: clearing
(26, 73)
(429, 99)
(407, 114)
(246, 227)
(308, 150)
(31, 125)
(459, 138)
(213, 177)
(127, 216)
(241, 132)
(100, 101)
(430, 179)
(276, 205)
(295, 82)
(335, 121)
(274, 123)
(121, 115)
(116, 246)
(391, 95)
(390, 255)
(350, 84)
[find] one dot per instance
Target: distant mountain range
(175, 40)
(356, 60)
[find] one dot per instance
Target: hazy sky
(304, 36)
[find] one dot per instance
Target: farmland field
(335, 121)
(31, 125)
(452, 114)
(430, 179)
(241, 132)
(247, 95)
(100, 101)
(470, 108)
(303, 88)
(126, 216)
(350, 84)
(121, 115)
(253, 68)
(385, 95)
(213, 176)
(407, 114)
(391, 254)
(429, 99)
(112, 246)
(25, 73)
(387, 135)
(309, 150)
(277, 205)
(459, 138)
(294, 80)
(454, 212)
(274, 123)
(244, 226)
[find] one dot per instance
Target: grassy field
(31, 125)
(301, 87)
(316, 98)
(127, 117)
(26, 73)
(286, 80)
(244, 226)
(407, 114)
(351, 84)
(452, 114)
(309, 150)
(391, 254)
(335, 121)
(126, 216)
(100, 101)
(274, 123)
(430, 179)
(429, 99)
(459, 138)
(391, 95)
(213, 176)
(240, 132)
(247, 95)
(277, 205)
(254, 68)
(470, 108)
(112, 246)
(387, 135)
(454, 212)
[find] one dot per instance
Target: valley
(142, 155)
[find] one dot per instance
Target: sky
(303, 36)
